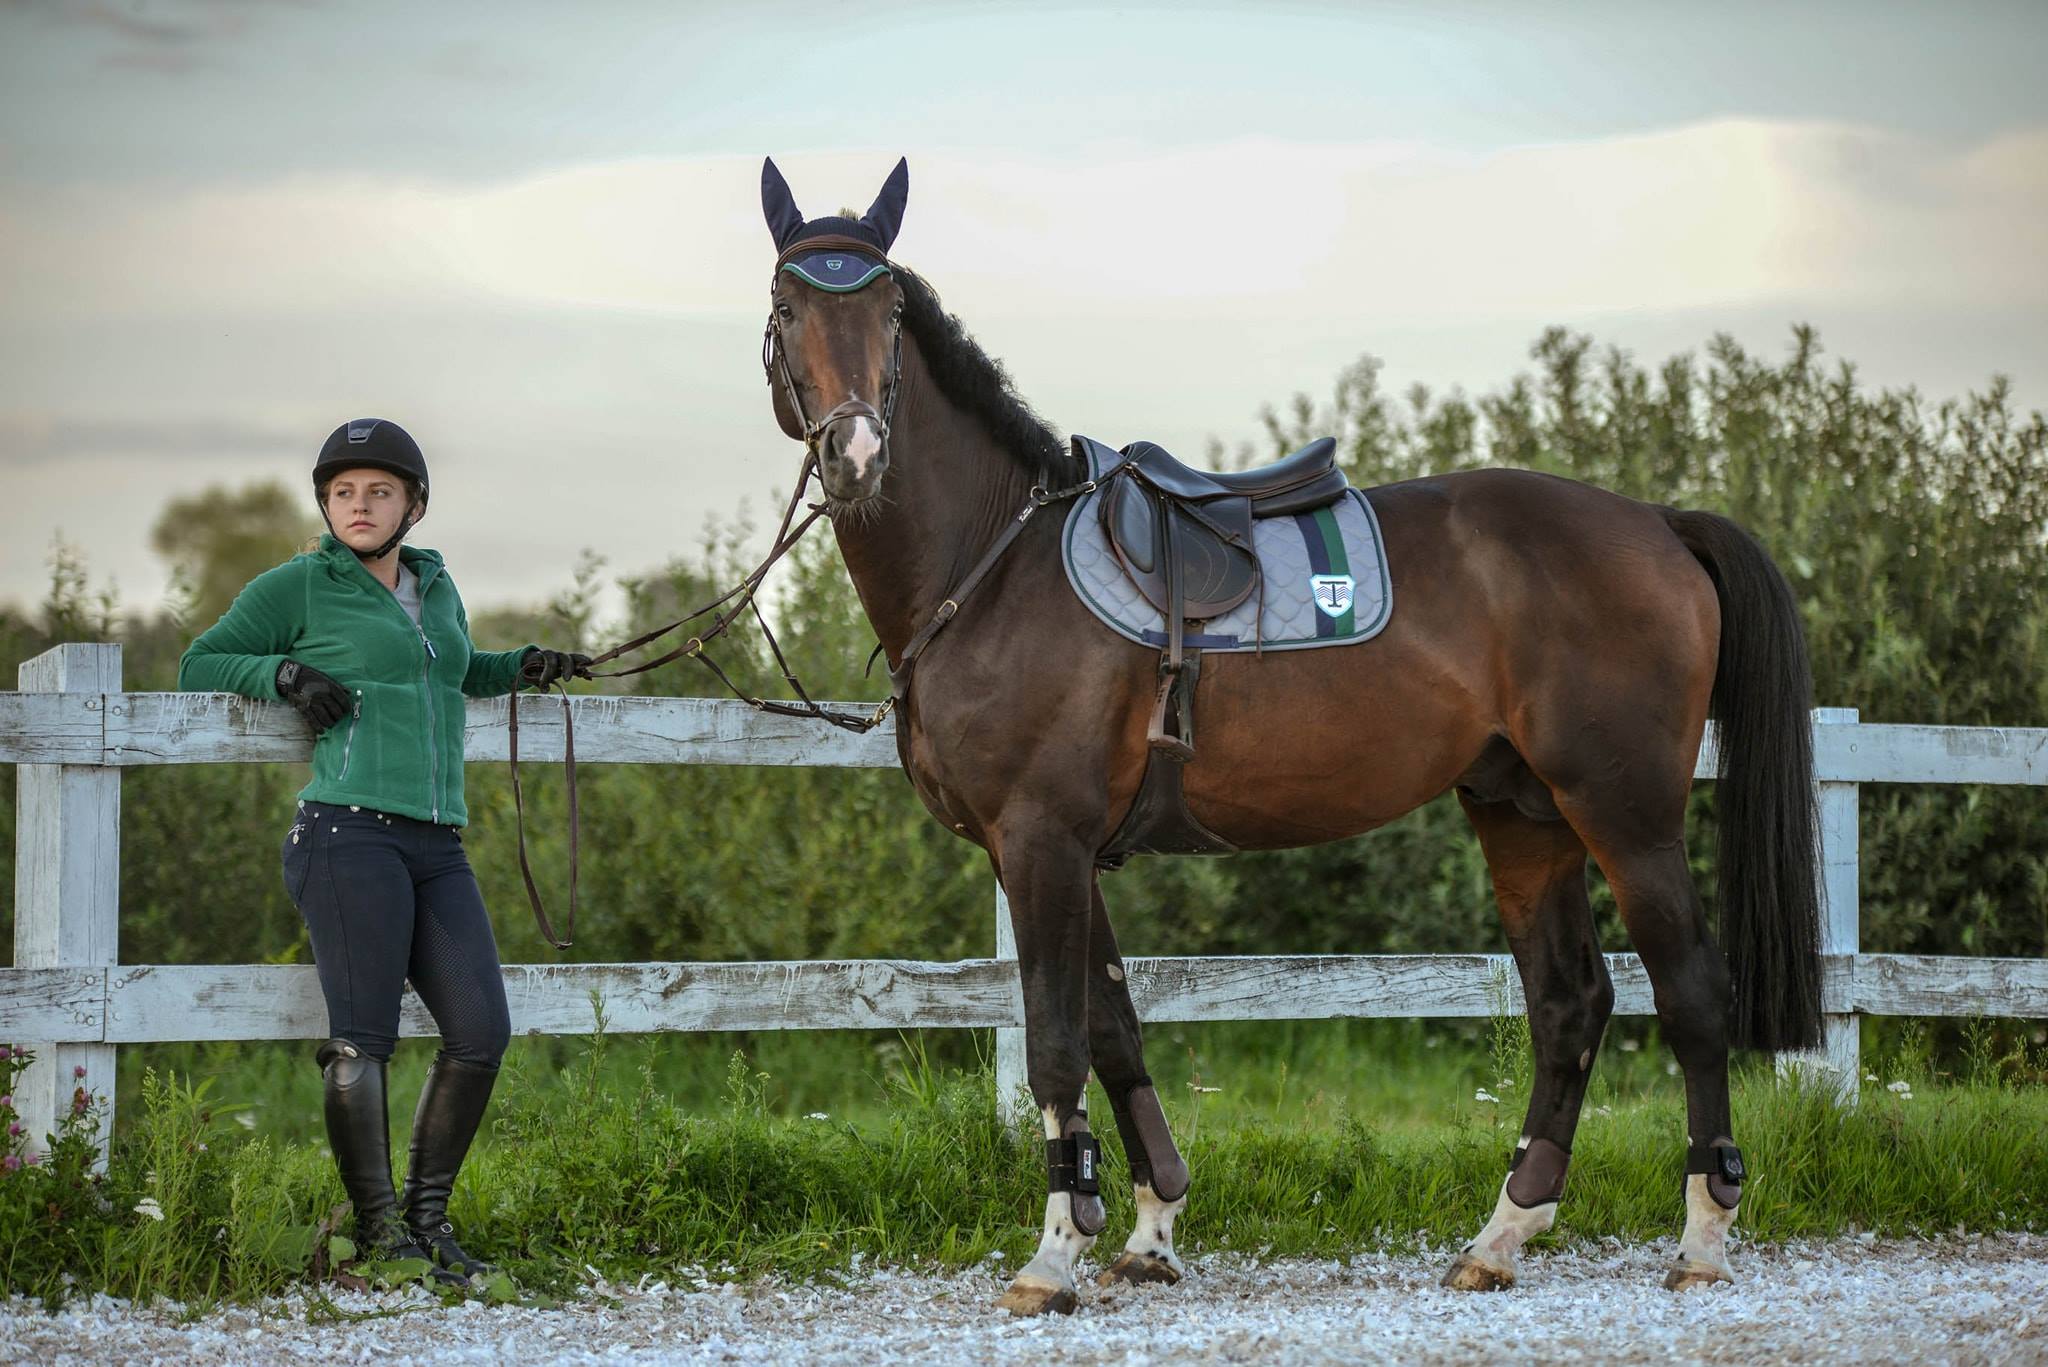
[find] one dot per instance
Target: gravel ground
(1962, 1300)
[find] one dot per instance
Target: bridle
(775, 358)
(730, 606)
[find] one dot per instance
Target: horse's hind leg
(1539, 879)
(1159, 1177)
(1654, 891)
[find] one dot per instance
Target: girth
(1184, 537)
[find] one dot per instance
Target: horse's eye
(784, 311)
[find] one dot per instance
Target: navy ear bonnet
(854, 252)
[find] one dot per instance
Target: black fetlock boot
(451, 1107)
(359, 1132)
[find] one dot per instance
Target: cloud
(171, 38)
(1714, 214)
(39, 438)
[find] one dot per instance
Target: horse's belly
(1299, 750)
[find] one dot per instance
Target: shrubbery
(1912, 532)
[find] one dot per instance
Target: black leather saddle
(1184, 536)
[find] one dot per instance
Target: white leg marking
(1152, 1235)
(863, 444)
(1061, 1245)
(1510, 1228)
(1703, 1248)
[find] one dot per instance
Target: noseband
(775, 358)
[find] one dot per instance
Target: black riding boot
(359, 1132)
(451, 1106)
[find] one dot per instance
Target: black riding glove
(543, 667)
(319, 699)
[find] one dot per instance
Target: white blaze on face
(863, 445)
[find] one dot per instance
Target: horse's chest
(944, 783)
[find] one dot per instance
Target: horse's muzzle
(853, 453)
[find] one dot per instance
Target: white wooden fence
(72, 730)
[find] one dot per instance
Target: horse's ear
(778, 205)
(885, 215)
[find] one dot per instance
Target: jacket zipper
(433, 726)
(348, 747)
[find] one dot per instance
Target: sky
(531, 233)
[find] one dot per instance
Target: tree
(218, 540)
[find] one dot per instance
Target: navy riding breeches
(388, 898)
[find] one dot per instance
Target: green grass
(650, 1155)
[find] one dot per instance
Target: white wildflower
(148, 1206)
(1603, 1110)
(1870, 1077)
(817, 1115)
(1629, 1046)
(1902, 1087)
(246, 1119)
(1483, 1095)
(1203, 1091)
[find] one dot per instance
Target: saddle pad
(1325, 572)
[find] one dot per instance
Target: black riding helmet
(380, 445)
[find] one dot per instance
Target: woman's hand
(543, 667)
(318, 698)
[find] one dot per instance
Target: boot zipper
(348, 746)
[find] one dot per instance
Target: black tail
(1769, 853)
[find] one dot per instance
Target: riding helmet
(377, 443)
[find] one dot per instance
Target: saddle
(1184, 536)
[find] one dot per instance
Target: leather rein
(729, 607)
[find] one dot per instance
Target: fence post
(1840, 1056)
(1010, 1081)
(67, 885)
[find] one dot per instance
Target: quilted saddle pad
(1325, 573)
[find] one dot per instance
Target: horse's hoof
(1139, 1269)
(1470, 1274)
(1030, 1296)
(1687, 1274)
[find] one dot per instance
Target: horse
(1555, 656)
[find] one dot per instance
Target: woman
(368, 639)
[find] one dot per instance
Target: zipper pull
(432, 653)
(359, 704)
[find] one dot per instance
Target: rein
(741, 599)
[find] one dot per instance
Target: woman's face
(365, 507)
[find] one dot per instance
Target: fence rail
(71, 729)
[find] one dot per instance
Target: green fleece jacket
(400, 750)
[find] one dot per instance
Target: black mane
(977, 381)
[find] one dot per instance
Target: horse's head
(833, 347)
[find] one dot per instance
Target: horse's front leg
(1159, 1176)
(1048, 878)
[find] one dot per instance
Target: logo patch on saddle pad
(1332, 593)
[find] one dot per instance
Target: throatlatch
(1723, 1168)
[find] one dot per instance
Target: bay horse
(1554, 657)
